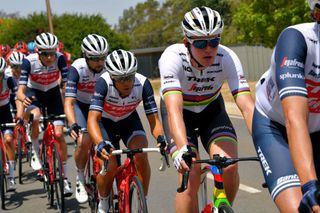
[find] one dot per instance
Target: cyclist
(286, 119)
(4, 50)
(14, 70)
(39, 84)
(7, 84)
(21, 46)
(82, 78)
(117, 94)
(66, 54)
(192, 75)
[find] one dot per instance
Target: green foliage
(69, 28)
(261, 21)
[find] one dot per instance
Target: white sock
(103, 204)
(80, 175)
(11, 168)
(36, 145)
(65, 169)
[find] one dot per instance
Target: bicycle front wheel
(2, 175)
(137, 199)
(58, 178)
(19, 156)
(223, 208)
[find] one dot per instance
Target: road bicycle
(3, 165)
(219, 201)
(127, 194)
(23, 145)
(53, 174)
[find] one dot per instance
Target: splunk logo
(264, 162)
(291, 63)
(291, 75)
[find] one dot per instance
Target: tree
(152, 25)
(261, 21)
(70, 29)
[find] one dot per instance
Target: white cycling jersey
(294, 71)
(37, 76)
(8, 84)
(81, 81)
(107, 99)
(200, 88)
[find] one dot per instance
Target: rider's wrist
(309, 185)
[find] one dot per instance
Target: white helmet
(94, 46)
(3, 65)
(202, 21)
(121, 63)
(46, 41)
(312, 3)
(16, 58)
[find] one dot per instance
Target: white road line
(242, 187)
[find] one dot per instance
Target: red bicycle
(53, 174)
(127, 192)
(3, 165)
(23, 145)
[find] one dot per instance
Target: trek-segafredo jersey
(107, 100)
(294, 71)
(200, 88)
(37, 76)
(81, 81)
(8, 85)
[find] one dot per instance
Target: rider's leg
(230, 175)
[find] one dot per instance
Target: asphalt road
(30, 196)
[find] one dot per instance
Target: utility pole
(49, 16)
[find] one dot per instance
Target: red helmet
(4, 49)
(22, 47)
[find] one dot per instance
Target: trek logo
(87, 87)
(291, 63)
(191, 78)
(187, 69)
(264, 162)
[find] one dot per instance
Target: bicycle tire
(58, 176)
(45, 169)
(90, 181)
(224, 208)
(20, 156)
(137, 200)
(2, 191)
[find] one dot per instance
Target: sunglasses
(122, 79)
(15, 66)
(47, 53)
(203, 43)
(97, 59)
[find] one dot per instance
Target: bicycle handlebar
(218, 161)
(7, 125)
(52, 117)
(132, 152)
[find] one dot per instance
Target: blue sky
(111, 10)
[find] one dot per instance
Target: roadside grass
(225, 91)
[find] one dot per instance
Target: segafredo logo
(291, 63)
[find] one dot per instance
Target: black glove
(311, 195)
(107, 145)
(74, 127)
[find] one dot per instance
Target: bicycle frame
(48, 139)
(125, 174)
(2, 146)
(219, 201)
